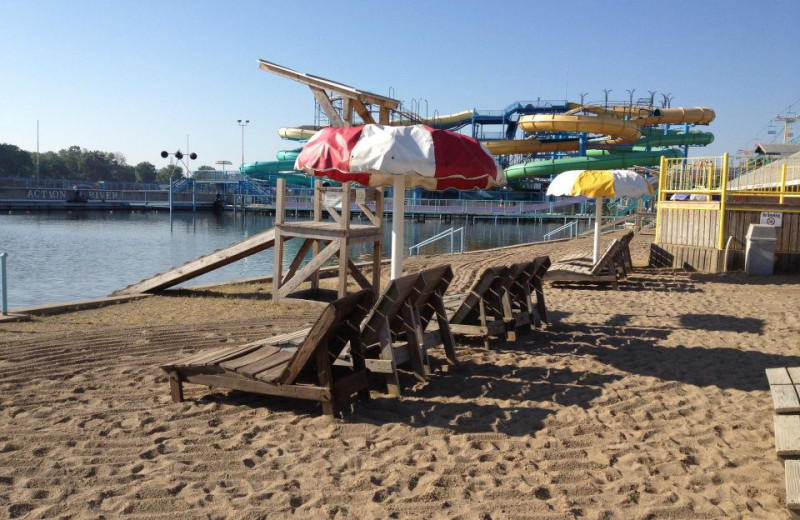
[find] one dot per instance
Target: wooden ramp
(203, 264)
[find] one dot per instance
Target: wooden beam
(314, 393)
(358, 276)
(362, 111)
(203, 264)
(298, 259)
(333, 86)
(327, 107)
(308, 269)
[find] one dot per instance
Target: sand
(647, 402)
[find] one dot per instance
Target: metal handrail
(571, 226)
(447, 232)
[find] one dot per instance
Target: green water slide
(599, 160)
(622, 156)
(283, 167)
(655, 138)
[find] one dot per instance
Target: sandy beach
(647, 402)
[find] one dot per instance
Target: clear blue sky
(137, 77)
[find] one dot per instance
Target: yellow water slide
(298, 133)
(443, 121)
(621, 130)
(506, 147)
(647, 115)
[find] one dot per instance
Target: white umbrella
(599, 184)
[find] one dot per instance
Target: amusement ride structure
(531, 139)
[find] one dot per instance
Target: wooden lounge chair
(393, 332)
(390, 333)
(483, 309)
(430, 304)
(525, 287)
(625, 252)
(622, 260)
(604, 271)
(292, 365)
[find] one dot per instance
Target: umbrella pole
(398, 221)
(598, 217)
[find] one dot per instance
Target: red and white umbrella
(401, 157)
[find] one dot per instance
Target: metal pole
(783, 182)
(398, 217)
(597, 220)
(723, 201)
(37, 152)
(3, 256)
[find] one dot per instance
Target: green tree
(145, 172)
(163, 174)
(52, 166)
(205, 167)
(95, 165)
(15, 162)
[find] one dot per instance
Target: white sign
(772, 218)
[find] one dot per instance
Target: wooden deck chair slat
(263, 352)
(200, 358)
(259, 368)
(305, 352)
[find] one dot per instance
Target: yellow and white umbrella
(599, 184)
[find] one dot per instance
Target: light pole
(223, 164)
(243, 123)
(179, 158)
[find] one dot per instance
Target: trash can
(759, 256)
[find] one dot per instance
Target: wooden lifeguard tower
(331, 238)
(328, 238)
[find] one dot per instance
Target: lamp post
(223, 164)
(178, 158)
(243, 123)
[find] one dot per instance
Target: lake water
(61, 256)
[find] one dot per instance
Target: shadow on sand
(636, 350)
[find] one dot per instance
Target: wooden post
(317, 218)
(277, 262)
(324, 373)
(639, 210)
(723, 201)
(176, 387)
(347, 112)
(383, 117)
(662, 182)
(783, 182)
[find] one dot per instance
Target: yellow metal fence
(752, 177)
(719, 178)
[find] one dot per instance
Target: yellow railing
(761, 177)
(718, 178)
(694, 175)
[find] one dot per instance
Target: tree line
(76, 163)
